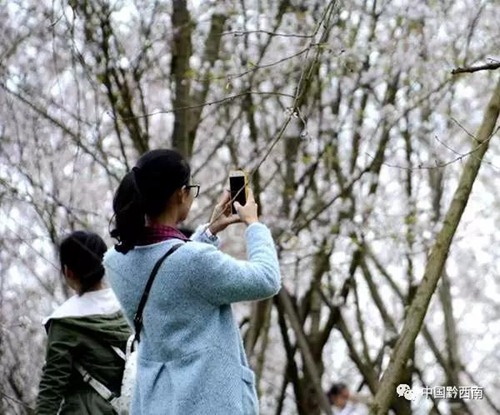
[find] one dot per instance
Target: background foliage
(355, 133)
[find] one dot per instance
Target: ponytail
(129, 213)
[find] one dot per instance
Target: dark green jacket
(85, 340)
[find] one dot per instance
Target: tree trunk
(313, 374)
(181, 52)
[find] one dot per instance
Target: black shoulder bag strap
(145, 295)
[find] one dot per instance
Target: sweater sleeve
(57, 368)
(221, 279)
(200, 235)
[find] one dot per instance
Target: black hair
(145, 191)
(186, 231)
(336, 389)
(82, 253)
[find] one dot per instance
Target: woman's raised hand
(222, 216)
(249, 212)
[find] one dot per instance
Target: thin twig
(470, 69)
(206, 104)
(299, 91)
(448, 147)
(447, 163)
(464, 129)
(237, 33)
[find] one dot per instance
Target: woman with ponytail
(82, 333)
(191, 358)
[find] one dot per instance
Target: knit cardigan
(191, 359)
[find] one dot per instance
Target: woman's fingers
(224, 205)
(250, 196)
(222, 208)
(222, 216)
(225, 221)
(225, 198)
(248, 213)
(232, 219)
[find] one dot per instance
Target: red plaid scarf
(159, 233)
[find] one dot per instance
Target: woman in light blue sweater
(191, 356)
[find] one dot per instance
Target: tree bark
(181, 52)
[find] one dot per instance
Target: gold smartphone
(238, 184)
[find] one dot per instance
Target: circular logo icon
(402, 389)
(410, 395)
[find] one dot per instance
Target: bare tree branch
(471, 69)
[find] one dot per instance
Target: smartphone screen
(237, 183)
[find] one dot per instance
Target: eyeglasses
(193, 186)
